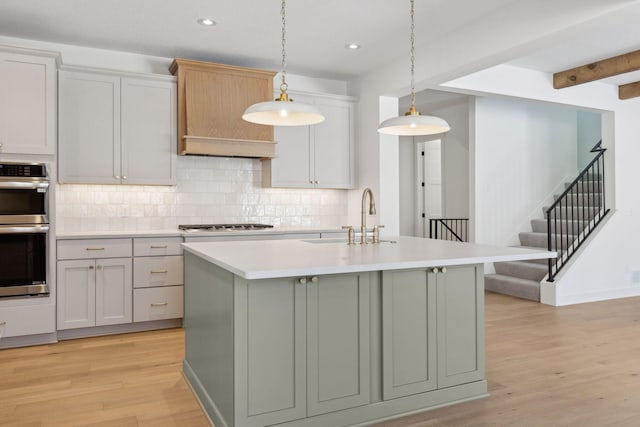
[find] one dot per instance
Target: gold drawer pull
(158, 271)
(159, 304)
(159, 246)
(95, 249)
(3, 323)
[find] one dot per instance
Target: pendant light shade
(413, 123)
(283, 111)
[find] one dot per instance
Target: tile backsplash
(209, 190)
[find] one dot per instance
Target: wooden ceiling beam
(598, 70)
(630, 90)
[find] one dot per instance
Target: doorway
(428, 184)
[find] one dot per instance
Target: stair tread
(541, 233)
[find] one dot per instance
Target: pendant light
(283, 111)
(413, 123)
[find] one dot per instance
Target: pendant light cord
(413, 95)
(283, 85)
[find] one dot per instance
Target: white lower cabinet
(41, 320)
(158, 303)
(94, 282)
(157, 280)
(94, 292)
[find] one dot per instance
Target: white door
(429, 176)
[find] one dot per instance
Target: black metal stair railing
(456, 229)
(576, 212)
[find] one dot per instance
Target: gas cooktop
(222, 227)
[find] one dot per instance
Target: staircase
(573, 216)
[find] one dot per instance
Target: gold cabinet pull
(95, 249)
(158, 271)
(159, 304)
(159, 246)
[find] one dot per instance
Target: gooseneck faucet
(372, 211)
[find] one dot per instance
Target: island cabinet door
(270, 346)
(460, 297)
(408, 333)
(337, 342)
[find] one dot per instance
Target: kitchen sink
(344, 241)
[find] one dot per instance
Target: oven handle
(29, 185)
(23, 229)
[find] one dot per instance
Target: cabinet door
(114, 292)
(460, 294)
(89, 134)
(292, 165)
(76, 294)
(149, 137)
(270, 351)
(27, 104)
(333, 145)
(408, 333)
(337, 342)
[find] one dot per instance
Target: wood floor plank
(546, 366)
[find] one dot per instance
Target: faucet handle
(376, 233)
(351, 233)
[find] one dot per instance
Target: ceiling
(247, 31)
(611, 35)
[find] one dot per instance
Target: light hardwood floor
(546, 366)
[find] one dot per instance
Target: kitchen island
(319, 333)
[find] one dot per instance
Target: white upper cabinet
(318, 156)
(27, 103)
(116, 129)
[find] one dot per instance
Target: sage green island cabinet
(310, 333)
(432, 330)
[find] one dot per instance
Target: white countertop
(262, 259)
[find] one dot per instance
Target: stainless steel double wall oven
(24, 227)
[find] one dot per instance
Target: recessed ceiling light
(207, 22)
(352, 46)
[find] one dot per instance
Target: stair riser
(522, 270)
(501, 286)
(588, 185)
(538, 241)
(586, 199)
(572, 213)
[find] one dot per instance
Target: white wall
(523, 152)
(407, 184)
(607, 266)
(455, 159)
(589, 133)
(455, 167)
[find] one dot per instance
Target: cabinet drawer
(157, 246)
(158, 303)
(157, 271)
(27, 320)
(94, 248)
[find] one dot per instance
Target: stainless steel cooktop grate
(222, 227)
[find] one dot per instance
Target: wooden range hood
(211, 100)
